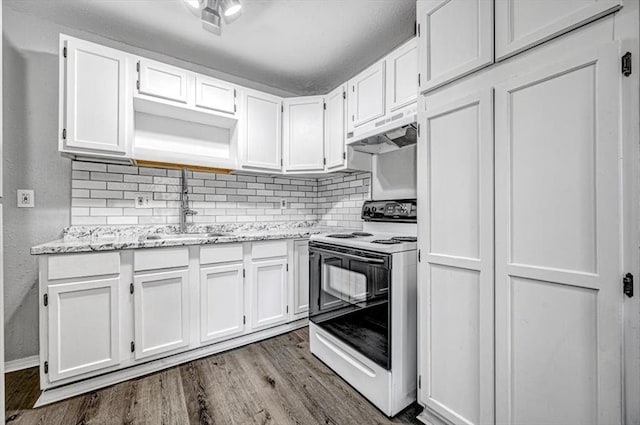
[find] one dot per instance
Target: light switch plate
(26, 198)
(283, 204)
(143, 200)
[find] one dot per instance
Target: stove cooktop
(378, 242)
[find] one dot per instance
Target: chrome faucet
(184, 202)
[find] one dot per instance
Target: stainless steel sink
(156, 237)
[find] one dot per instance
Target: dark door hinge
(244, 320)
(138, 66)
(287, 309)
(235, 108)
(418, 130)
(419, 381)
(46, 367)
(244, 273)
(131, 288)
(64, 134)
(419, 256)
(419, 80)
(133, 346)
(64, 52)
(324, 106)
(235, 94)
(626, 64)
(353, 89)
(282, 108)
(627, 285)
(45, 300)
(418, 30)
(138, 84)
(324, 161)
(344, 155)
(344, 94)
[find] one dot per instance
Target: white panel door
(221, 302)
(216, 95)
(455, 38)
(84, 330)
(93, 81)
(161, 308)
(402, 76)
(455, 166)
(335, 130)
(269, 293)
(300, 286)
(303, 137)
(523, 24)
(163, 81)
(261, 131)
(558, 291)
(367, 96)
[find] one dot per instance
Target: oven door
(349, 297)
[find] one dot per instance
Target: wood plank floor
(276, 381)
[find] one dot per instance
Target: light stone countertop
(110, 238)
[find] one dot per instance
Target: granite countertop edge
(88, 244)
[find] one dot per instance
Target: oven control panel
(404, 210)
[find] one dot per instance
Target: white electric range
(362, 303)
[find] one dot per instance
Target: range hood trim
(381, 132)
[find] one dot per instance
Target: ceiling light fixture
(212, 12)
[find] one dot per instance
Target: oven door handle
(353, 257)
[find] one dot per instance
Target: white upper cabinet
(402, 76)
(303, 134)
(522, 24)
(215, 95)
(261, 131)
(455, 38)
(92, 98)
(367, 96)
(335, 129)
(84, 330)
(163, 81)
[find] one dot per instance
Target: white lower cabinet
(300, 281)
(269, 292)
(161, 312)
(84, 330)
(221, 302)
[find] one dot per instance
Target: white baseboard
(19, 364)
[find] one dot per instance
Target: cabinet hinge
(419, 381)
(418, 130)
(324, 106)
(353, 117)
(138, 66)
(287, 309)
(627, 285)
(344, 94)
(626, 64)
(45, 299)
(419, 257)
(282, 108)
(235, 108)
(244, 273)
(64, 134)
(244, 320)
(418, 80)
(418, 30)
(46, 367)
(235, 94)
(133, 346)
(344, 155)
(138, 84)
(324, 161)
(131, 288)
(64, 52)
(287, 267)
(353, 89)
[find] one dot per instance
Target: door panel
(303, 126)
(335, 130)
(261, 137)
(523, 24)
(164, 81)
(402, 68)
(301, 279)
(367, 95)
(221, 302)
(84, 331)
(161, 317)
(215, 95)
(558, 335)
(269, 287)
(455, 39)
(94, 98)
(455, 157)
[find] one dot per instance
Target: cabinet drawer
(83, 265)
(269, 249)
(220, 253)
(165, 258)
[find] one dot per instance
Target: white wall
(31, 161)
(393, 175)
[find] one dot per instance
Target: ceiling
(301, 46)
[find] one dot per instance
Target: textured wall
(340, 199)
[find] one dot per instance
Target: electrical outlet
(283, 204)
(143, 200)
(26, 198)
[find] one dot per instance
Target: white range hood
(393, 133)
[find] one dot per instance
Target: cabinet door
(558, 292)
(303, 126)
(402, 76)
(367, 96)
(455, 175)
(93, 82)
(335, 130)
(221, 302)
(161, 307)
(269, 293)
(163, 81)
(523, 24)
(84, 330)
(215, 95)
(261, 137)
(300, 286)
(455, 38)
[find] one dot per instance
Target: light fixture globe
(230, 7)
